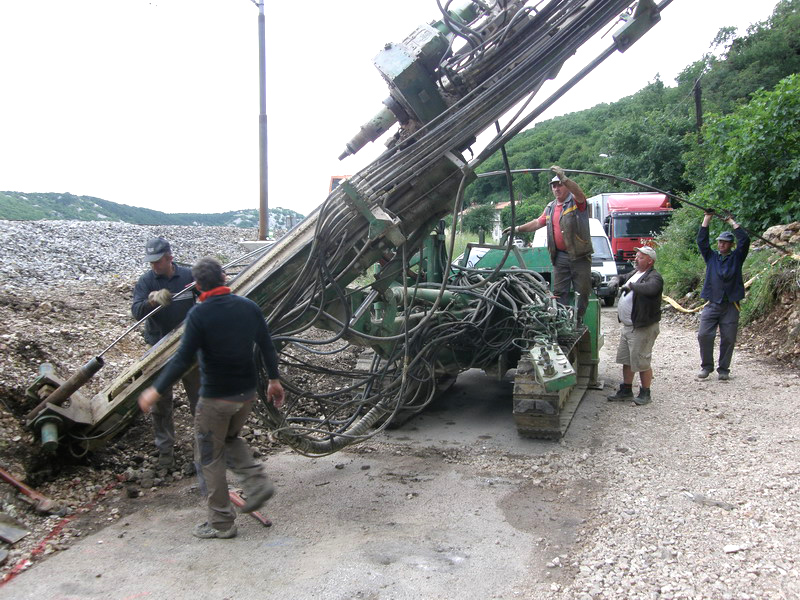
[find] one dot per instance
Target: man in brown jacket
(568, 239)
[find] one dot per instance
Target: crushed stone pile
(52, 252)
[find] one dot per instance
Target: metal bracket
(644, 17)
(380, 222)
(551, 367)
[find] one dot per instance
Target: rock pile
(784, 236)
(51, 252)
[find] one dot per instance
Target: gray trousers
(163, 422)
(218, 447)
(573, 273)
(724, 316)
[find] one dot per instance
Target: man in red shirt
(568, 239)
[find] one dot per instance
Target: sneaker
(643, 397)
(704, 373)
(723, 376)
(166, 460)
(256, 498)
(623, 393)
(207, 532)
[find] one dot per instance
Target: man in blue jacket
(724, 289)
(156, 288)
(222, 330)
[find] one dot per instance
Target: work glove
(625, 288)
(162, 297)
(559, 172)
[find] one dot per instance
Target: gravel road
(693, 496)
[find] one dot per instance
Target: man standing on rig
(568, 239)
(155, 288)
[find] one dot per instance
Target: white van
(602, 260)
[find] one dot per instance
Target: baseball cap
(156, 248)
(725, 236)
(648, 251)
(555, 180)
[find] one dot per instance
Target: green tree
(769, 52)
(752, 158)
(479, 217)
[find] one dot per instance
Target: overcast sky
(155, 103)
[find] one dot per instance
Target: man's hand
(162, 297)
(148, 398)
(559, 172)
(625, 288)
(275, 393)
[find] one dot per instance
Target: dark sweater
(723, 273)
(222, 330)
(172, 315)
(646, 297)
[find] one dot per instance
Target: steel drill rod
(87, 371)
(191, 286)
(722, 217)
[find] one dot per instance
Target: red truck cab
(630, 221)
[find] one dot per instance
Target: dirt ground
(693, 496)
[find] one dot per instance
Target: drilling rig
(372, 266)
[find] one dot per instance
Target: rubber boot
(625, 392)
(643, 397)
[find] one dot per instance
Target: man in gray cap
(156, 288)
(568, 239)
(724, 289)
(639, 311)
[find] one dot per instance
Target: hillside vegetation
(19, 206)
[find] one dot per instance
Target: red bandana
(217, 291)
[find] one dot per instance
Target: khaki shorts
(636, 346)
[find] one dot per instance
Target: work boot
(703, 373)
(257, 497)
(723, 376)
(166, 460)
(206, 532)
(625, 392)
(643, 397)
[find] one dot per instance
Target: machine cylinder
(66, 389)
(49, 435)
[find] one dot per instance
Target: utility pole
(263, 209)
(698, 110)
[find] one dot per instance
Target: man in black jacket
(156, 288)
(222, 330)
(639, 312)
